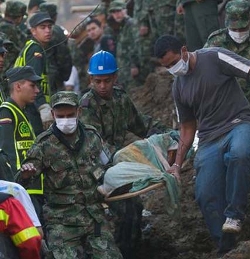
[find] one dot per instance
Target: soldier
(110, 110)
(14, 12)
(57, 52)
(124, 36)
(200, 18)
(70, 156)
(235, 36)
(33, 54)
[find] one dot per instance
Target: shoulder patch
(6, 121)
(119, 88)
(216, 33)
(85, 102)
(44, 134)
(38, 54)
(91, 128)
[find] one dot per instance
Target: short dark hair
(97, 22)
(167, 43)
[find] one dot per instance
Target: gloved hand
(45, 114)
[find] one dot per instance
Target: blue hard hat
(102, 63)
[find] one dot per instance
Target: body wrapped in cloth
(141, 164)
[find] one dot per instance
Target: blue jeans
(223, 181)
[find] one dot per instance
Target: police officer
(17, 133)
(235, 36)
(57, 52)
(70, 156)
(33, 54)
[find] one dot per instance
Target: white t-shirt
(21, 194)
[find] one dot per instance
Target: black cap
(2, 48)
(22, 73)
(33, 3)
(38, 18)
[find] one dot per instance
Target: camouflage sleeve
(89, 113)
(216, 39)
(36, 157)
(137, 123)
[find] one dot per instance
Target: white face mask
(180, 68)
(239, 36)
(66, 125)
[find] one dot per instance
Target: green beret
(64, 97)
(237, 14)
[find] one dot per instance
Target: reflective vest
(24, 138)
(21, 61)
(17, 225)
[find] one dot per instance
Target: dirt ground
(186, 237)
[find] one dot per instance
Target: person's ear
(33, 31)
(184, 52)
(53, 114)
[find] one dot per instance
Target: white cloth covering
(21, 194)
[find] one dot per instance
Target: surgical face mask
(180, 68)
(239, 36)
(66, 125)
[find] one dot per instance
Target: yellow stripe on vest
(4, 217)
(24, 235)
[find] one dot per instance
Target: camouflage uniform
(57, 53)
(124, 35)
(113, 118)
(237, 16)
(13, 10)
(74, 219)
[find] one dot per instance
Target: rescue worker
(235, 36)
(71, 157)
(33, 54)
(15, 223)
(110, 110)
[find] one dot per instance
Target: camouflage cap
(117, 5)
(237, 14)
(15, 8)
(38, 18)
(50, 8)
(22, 73)
(64, 97)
